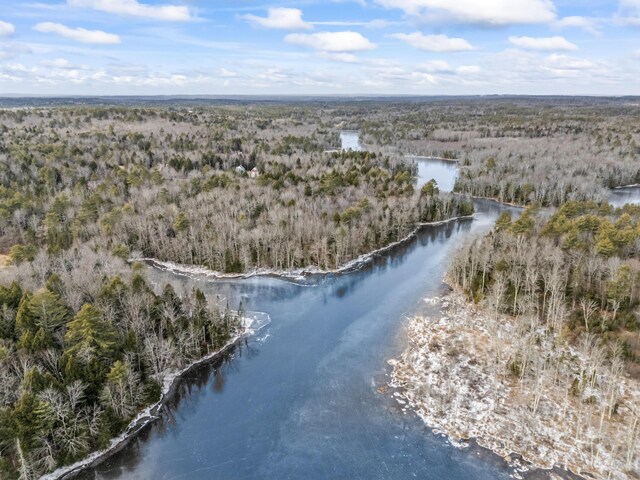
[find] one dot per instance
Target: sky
(343, 47)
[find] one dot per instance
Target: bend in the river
(305, 397)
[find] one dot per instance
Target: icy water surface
(300, 399)
(305, 397)
(444, 172)
(620, 196)
(350, 140)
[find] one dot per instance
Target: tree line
(570, 283)
(85, 343)
(170, 188)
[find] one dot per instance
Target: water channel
(304, 397)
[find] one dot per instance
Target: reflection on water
(621, 196)
(442, 171)
(301, 400)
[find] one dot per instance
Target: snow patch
(454, 376)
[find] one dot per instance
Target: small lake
(444, 172)
(350, 140)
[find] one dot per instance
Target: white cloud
(6, 29)
(488, 12)
(339, 57)
(227, 73)
(434, 43)
(377, 23)
(418, 78)
(436, 66)
(153, 80)
(468, 69)
(280, 18)
(569, 63)
(542, 43)
(331, 41)
(274, 75)
(444, 68)
(62, 64)
(585, 23)
(78, 34)
(136, 9)
(362, 3)
(56, 63)
(629, 12)
(12, 50)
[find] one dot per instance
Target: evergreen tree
(88, 335)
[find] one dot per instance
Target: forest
(87, 191)
(562, 292)
(86, 341)
(575, 272)
(173, 185)
(521, 150)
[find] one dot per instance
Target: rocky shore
(458, 375)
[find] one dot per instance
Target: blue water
(442, 171)
(302, 399)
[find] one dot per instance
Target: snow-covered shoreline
(293, 274)
(457, 381)
(148, 414)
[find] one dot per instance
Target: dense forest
(523, 151)
(575, 271)
(228, 189)
(86, 341)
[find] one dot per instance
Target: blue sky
(421, 47)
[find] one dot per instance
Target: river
(620, 196)
(304, 398)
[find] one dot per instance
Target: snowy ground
(455, 376)
(295, 274)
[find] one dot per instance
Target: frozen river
(304, 398)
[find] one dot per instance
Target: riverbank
(150, 413)
(292, 274)
(457, 375)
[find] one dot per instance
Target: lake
(350, 140)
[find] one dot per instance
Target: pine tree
(47, 310)
(88, 335)
(181, 223)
